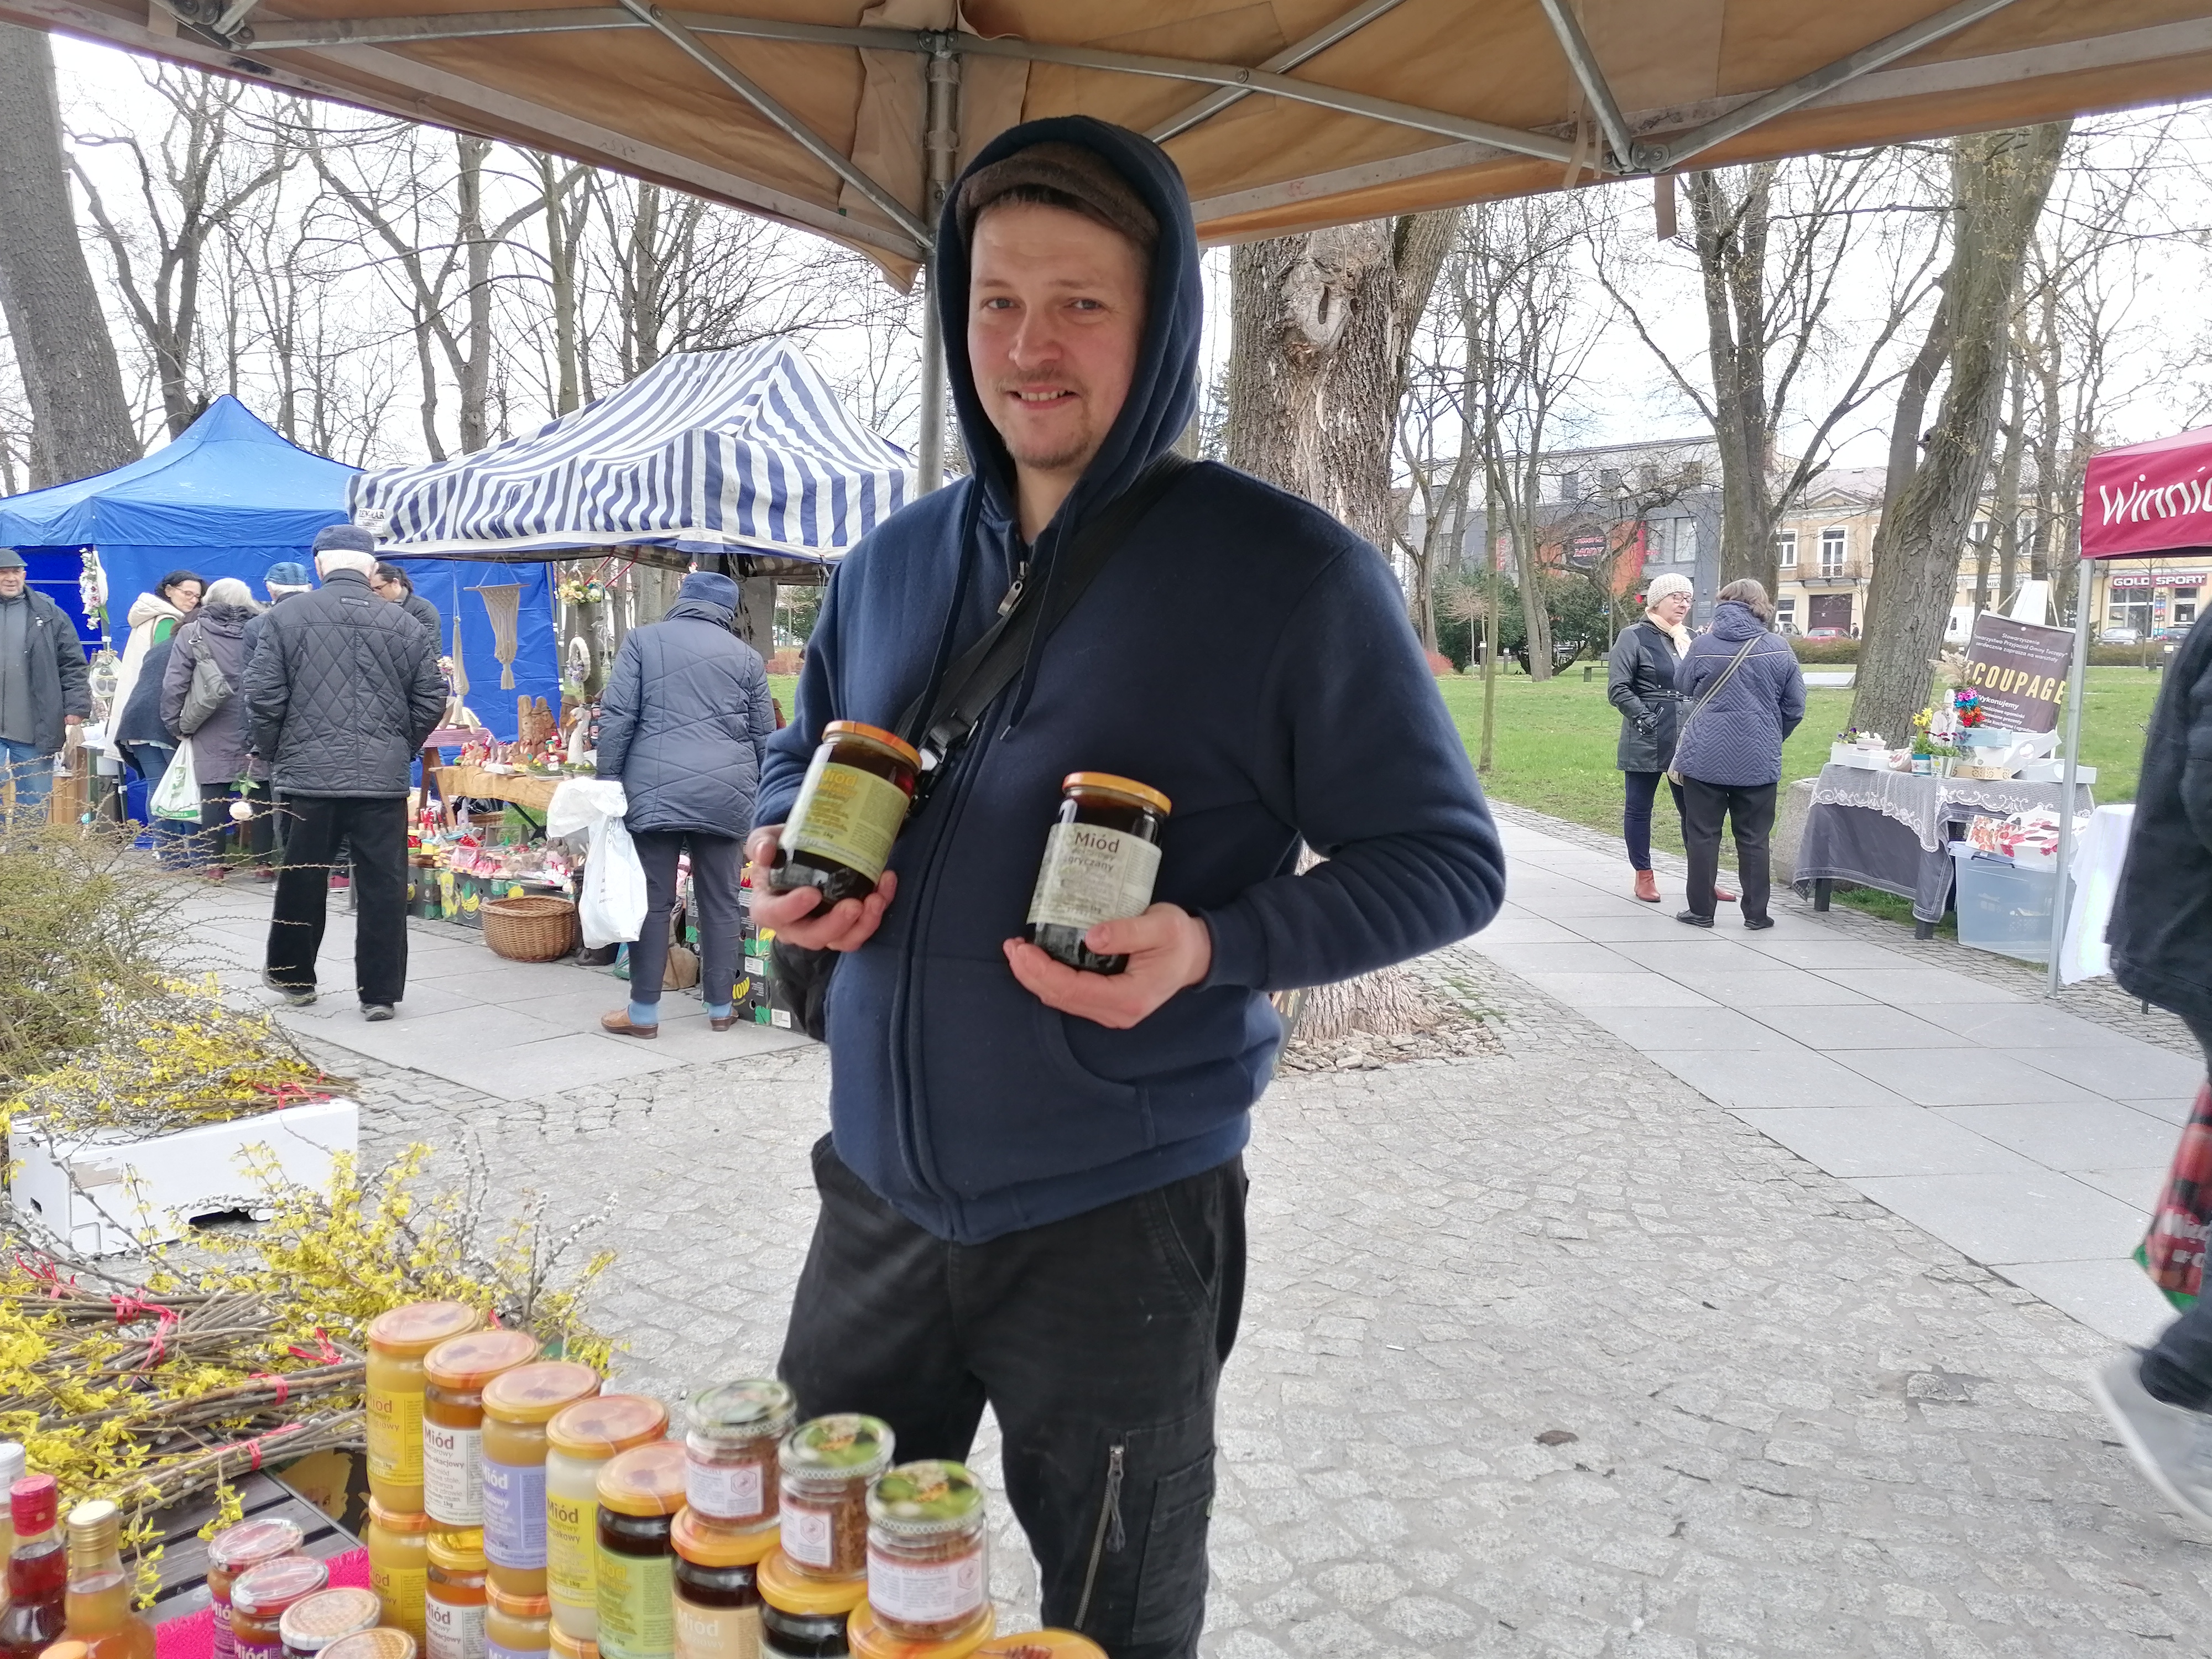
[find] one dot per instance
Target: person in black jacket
(2160, 940)
(1639, 681)
(390, 581)
(682, 723)
(45, 688)
(340, 692)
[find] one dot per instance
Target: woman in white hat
(1640, 682)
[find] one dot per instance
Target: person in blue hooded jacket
(1032, 1194)
(682, 722)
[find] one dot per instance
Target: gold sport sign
(2020, 669)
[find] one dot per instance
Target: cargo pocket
(1172, 1581)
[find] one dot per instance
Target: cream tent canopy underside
(1285, 115)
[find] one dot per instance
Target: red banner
(2149, 498)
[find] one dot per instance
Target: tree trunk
(1320, 329)
(473, 371)
(2000, 180)
(1732, 236)
(2005, 530)
(80, 419)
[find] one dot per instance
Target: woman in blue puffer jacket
(1743, 694)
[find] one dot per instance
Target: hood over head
(220, 618)
(707, 596)
(1163, 390)
(1735, 622)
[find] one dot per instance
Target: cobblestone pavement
(1544, 1354)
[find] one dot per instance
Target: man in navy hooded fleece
(1033, 1192)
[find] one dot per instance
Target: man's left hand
(1168, 948)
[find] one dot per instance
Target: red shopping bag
(2173, 1252)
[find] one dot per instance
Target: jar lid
(382, 1642)
(870, 1640)
(759, 1407)
(606, 1424)
(842, 1447)
(65, 1650)
(572, 1647)
(646, 1479)
(1118, 786)
(466, 1363)
(1041, 1644)
(249, 1543)
(710, 1546)
(533, 1392)
(276, 1584)
(916, 1500)
(411, 1331)
(459, 1551)
(315, 1622)
(397, 1520)
(786, 1590)
(891, 740)
(519, 1606)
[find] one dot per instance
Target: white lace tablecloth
(1924, 804)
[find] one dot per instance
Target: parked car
(2172, 631)
(2120, 637)
(1827, 634)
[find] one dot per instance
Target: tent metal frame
(1622, 153)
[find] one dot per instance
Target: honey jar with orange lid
(517, 1407)
(455, 1373)
(453, 1607)
(580, 1440)
(865, 1635)
(803, 1617)
(1102, 856)
(641, 1491)
(838, 835)
(717, 1590)
(565, 1646)
(397, 1341)
(516, 1626)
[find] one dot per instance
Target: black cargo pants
(1098, 1342)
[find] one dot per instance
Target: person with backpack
(203, 703)
(1743, 694)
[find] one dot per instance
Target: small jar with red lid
(261, 1597)
(238, 1549)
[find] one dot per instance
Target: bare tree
(72, 382)
(1783, 252)
(1999, 181)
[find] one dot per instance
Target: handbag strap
(956, 706)
(1714, 689)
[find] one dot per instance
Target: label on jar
(727, 1491)
(258, 1649)
(494, 1651)
(395, 1438)
(1091, 874)
(717, 1632)
(926, 1592)
(637, 1612)
(572, 1526)
(402, 1590)
(809, 1535)
(453, 1630)
(453, 1478)
(226, 1644)
(514, 1514)
(845, 814)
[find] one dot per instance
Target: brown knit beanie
(1065, 176)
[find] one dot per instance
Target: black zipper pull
(1014, 594)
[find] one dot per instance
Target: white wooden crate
(109, 1194)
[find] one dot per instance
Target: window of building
(1571, 487)
(1832, 552)
(1785, 550)
(1786, 612)
(1608, 480)
(1694, 472)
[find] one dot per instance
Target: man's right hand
(846, 926)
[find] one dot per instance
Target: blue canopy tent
(746, 452)
(232, 496)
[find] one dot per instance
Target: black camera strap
(955, 706)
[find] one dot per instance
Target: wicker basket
(535, 928)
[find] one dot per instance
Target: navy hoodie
(1243, 653)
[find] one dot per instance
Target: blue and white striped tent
(745, 451)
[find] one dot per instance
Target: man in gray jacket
(342, 691)
(682, 723)
(44, 686)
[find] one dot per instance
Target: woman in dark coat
(1742, 696)
(223, 756)
(682, 723)
(1640, 682)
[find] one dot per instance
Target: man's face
(385, 590)
(12, 581)
(1056, 309)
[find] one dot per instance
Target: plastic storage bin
(2004, 907)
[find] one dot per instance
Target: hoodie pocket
(1004, 1100)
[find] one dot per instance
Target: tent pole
(2077, 688)
(941, 144)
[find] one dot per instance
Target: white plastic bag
(178, 795)
(610, 894)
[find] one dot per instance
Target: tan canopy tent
(1283, 114)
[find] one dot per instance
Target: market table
(529, 790)
(1888, 830)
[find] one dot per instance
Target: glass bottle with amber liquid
(99, 1600)
(38, 1573)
